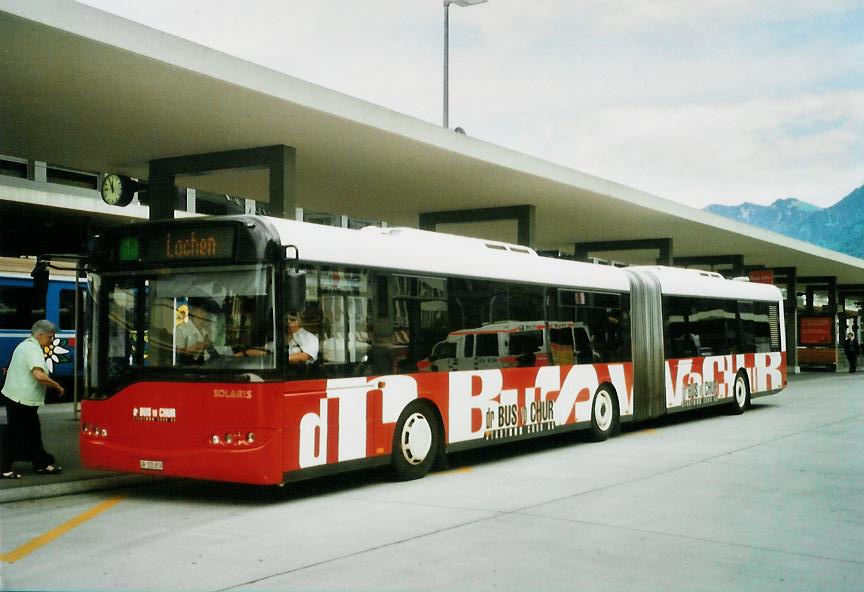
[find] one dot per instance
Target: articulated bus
(570, 346)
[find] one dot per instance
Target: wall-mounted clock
(118, 190)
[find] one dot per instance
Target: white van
(511, 344)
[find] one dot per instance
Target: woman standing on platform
(27, 381)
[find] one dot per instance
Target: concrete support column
(818, 283)
(813, 284)
(191, 199)
(38, 171)
(161, 193)
(523, 215)
(280, 161)
(662, 245)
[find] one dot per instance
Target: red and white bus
(582, 347)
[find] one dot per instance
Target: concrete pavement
(769, 500)
(60, 436)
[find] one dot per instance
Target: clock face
(116, 190)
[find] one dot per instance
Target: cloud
(728, 153)
(712, 101)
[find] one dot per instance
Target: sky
(716, 101)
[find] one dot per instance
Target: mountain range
(839, 227)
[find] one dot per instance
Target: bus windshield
(185, 319)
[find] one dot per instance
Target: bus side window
(420, 315)
(562, 346)
(599, 324)
(526, 345)
(701, 326)
(761, 328)
(340, 313)
(584, 351)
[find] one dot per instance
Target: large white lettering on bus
(721, 371)
(574, 401)
(768, 374)
(697, 381)
(473, 394)
(351, 396)
(479, 403)
(624, 389)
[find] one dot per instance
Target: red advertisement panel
(815, 331)
(762, 276)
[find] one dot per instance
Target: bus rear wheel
(415, 442)
(740, 394)
(604, 414)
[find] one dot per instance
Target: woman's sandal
(11, 475)
(50, 470)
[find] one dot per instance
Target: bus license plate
(151, 465)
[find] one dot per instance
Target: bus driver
(302, 345)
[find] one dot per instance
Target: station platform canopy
(89, 90)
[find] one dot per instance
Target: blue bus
(19, 309)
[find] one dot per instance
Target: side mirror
(294, 292)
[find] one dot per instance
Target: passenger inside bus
(302, 345)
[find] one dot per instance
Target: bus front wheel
(740, 394)
(604, 414)
(415, 442)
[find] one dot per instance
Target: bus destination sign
(211, 243)
(194, 244)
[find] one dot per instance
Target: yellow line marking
(42, 540)
(459, 470)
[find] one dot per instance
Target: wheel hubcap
(740, 392)
(416, 440)
(603, 410)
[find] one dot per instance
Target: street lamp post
(447, 3)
